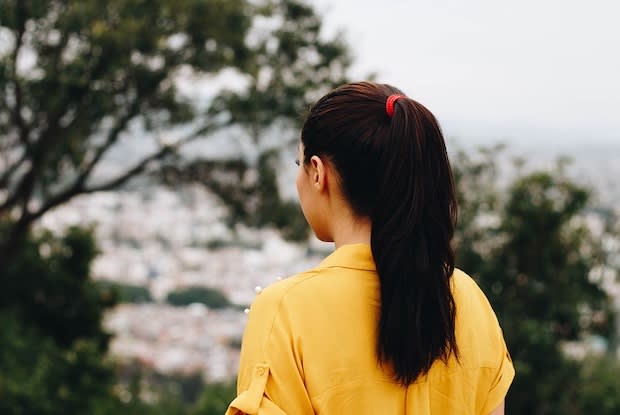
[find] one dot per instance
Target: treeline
(136, 294)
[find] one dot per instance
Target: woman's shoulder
(477, 325)
(465, 288)
(473, 309)
(271, 298)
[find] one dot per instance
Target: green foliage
(124, 293)
(599, 390)
(47, 286)
(532, 256)
(294, 65)
(98, 67)
(210, 297)
(215, 399)
(102, 71)
(53, 348)
(98, 72)
(134, 404)
(38, 377)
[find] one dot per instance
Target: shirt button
(260, 371)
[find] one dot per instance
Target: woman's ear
(318, 174)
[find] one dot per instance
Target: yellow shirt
(309, 348)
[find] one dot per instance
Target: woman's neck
(351, 230)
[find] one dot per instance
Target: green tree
(215, 399)
(78, 73)
(124, 293)
(48, 287)
(600, 386)
(294, 66)
(52, 357)
(533, 257)
(79, 81)
(210, 297)
(80, 77)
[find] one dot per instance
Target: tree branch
(78, 186)
(5, 179)
(140, 167)
(37, 153)
(137, 169)
(16, 111)
(112, 137)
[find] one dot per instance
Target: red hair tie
(389, 104)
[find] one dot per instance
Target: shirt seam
(279, 306)
(344, 266)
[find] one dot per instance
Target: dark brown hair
(396, 171)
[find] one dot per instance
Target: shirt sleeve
(501, 382)
(498, 370)
(482, 337)
(270, 380)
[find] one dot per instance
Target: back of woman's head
(394, 169)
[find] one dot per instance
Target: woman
(385, 324)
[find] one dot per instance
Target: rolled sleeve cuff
(253, 400)
(504, 379)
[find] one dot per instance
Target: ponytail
(393, 165)
(411, 237)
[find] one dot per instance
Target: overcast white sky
(543, 71)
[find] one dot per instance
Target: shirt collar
(356, 256)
